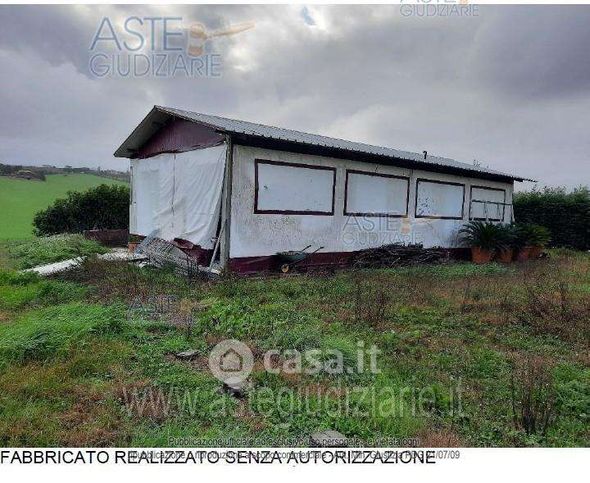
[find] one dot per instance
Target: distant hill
(39, 172)
(21, 198)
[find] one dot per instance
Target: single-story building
(235, 193)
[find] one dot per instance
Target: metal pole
(226, 204)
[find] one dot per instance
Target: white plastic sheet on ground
(179, 195)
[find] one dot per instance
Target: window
(375, 194)
(297, 189)
(439, 199)
(487, 203)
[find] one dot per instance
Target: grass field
(20, 199)
(30, 252)
(470, 355)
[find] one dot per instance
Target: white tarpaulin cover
(179, 195)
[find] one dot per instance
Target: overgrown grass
(27, 290)
(88, 359)
(39, 251)
(49, 332)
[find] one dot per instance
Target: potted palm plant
(541, 237)
(134, 240)
(484, 238)
(508, 235)
(531, 240)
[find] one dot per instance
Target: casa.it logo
(231, 360)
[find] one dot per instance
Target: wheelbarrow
(292, 258)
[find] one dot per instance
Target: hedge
(566, 215)
(103, 207)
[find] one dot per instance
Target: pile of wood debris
(399, 255)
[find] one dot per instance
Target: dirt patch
(198, 363)
(243, 412)
(92, 421)
(439, 438)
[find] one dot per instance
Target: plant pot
(505, 256)
(535, 252)
(523, 254)
(481, 255)
(131, 246)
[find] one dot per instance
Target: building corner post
(226, 204)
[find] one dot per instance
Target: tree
(566, 215)
(103, 207)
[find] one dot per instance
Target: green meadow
(20, 199)
(469, 355)
(466, 355)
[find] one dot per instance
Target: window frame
(259, 211)
(434, 217)
(491, 189)
(375, 214)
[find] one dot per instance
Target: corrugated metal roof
(261, 131)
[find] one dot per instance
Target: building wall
(257, 234)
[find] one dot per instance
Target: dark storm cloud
(63, 34)
(534, 53)
(509, 87)
(54, 34)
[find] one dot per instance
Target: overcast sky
(509, 86)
